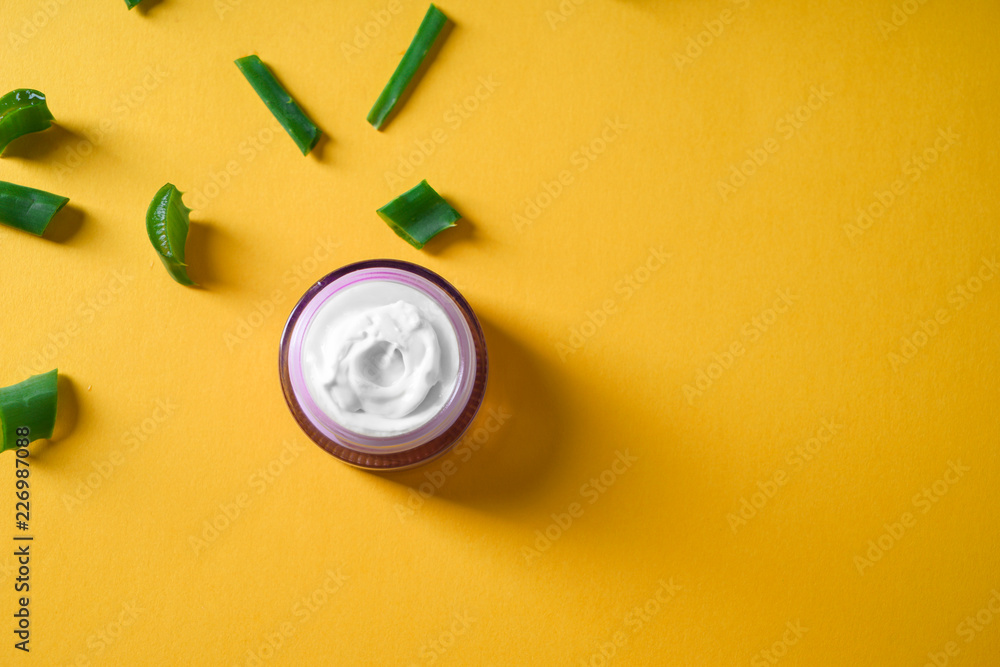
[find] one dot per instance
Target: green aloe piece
(27, 208)
(22, 111)
(132, 3)
(419, 214)
(167, 222)
(28, 410)
(291, 116)
(430, 28)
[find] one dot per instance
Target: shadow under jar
(383, 364)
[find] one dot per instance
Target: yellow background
(152, 95)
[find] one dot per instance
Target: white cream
(380, 358)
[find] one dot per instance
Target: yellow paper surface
(734, 265)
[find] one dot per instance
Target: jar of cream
(383, 364)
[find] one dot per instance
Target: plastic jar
(424, 442)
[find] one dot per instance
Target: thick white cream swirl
(385, 360)
(381, 358)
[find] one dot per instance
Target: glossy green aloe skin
(27, 208)
(22, 111)
(302, 130)
(418, 215)
(28, 410)
(167, 222)
(430, 28)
